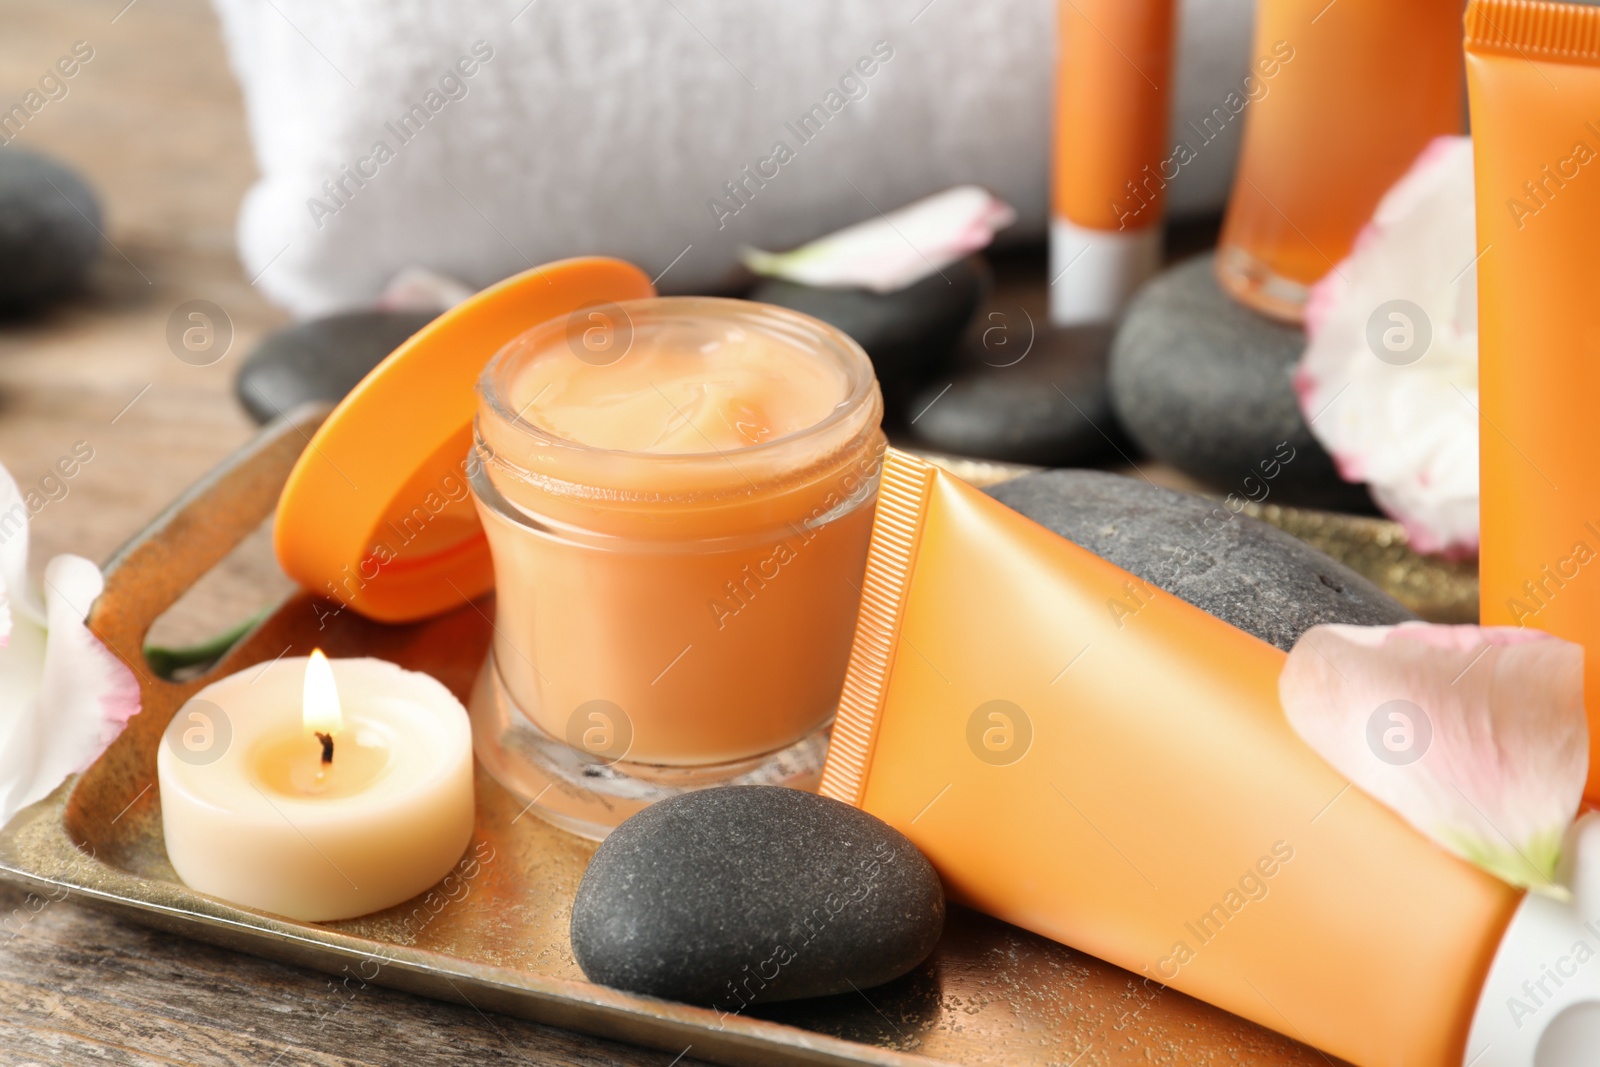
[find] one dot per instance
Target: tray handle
(157, 566)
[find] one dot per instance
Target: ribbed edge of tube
(1534, 29)
(891, 559)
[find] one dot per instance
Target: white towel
(612, 126)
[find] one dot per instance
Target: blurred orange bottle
(1107, 199)
(1364, 86)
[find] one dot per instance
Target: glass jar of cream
(678, 496)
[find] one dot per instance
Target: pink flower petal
(1475, 736)
(888, 253)
(1326, 294)
(83, 680)
(420, 289)
(63, 695)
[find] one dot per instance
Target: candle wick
(327, 746)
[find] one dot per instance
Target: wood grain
(78, 987)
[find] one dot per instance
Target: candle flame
(320, 710)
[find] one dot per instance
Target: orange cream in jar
(693, 387)
(678, 497)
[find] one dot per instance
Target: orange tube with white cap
(1125, 781)
(1107, 203)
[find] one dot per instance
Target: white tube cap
(1541, 1004)
(1094, 273)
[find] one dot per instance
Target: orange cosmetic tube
(1361, 87)
(1112, 100)
(1533, 73)
(1085, 756)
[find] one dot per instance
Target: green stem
(168, 661)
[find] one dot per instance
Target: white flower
(1474, 735)
(1389, 382)
(892, 251)
(63, 696)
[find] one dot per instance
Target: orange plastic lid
(377, 513)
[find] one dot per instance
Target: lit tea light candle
(277, 794)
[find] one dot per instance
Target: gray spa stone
(1205, 385)
(907, 332)
(754, 894)
(1049, 407)
(320, 359)
(50, 224)
(1238, 568)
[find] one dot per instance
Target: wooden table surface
(156, 123)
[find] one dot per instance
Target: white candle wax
(254, 814)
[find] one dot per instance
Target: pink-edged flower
(63, 696)
(1389, 380)
(890, 252)
(420, 289)
(1474, 735)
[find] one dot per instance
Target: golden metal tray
(494, 934)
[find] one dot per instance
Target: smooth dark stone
(1049, 407)
(909, 332)
(50, 223)
(1238, 568)
(1205, 385)
(754, 894)
(320, 359)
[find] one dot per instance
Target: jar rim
(861, 381)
